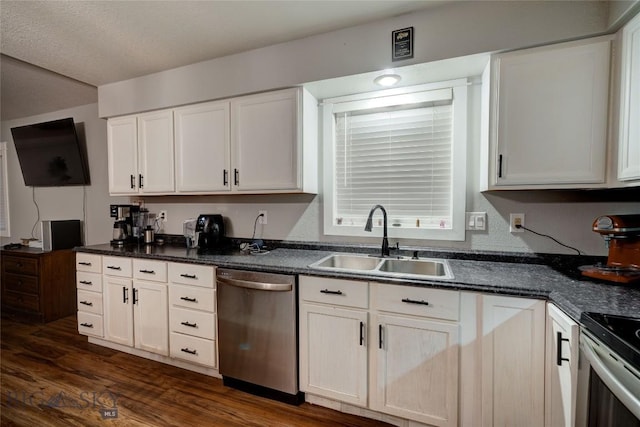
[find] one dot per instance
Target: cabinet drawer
(116, 266)
(192, 297)
(193, 349)
(350, 293)
(417, 301)
(192, 274)
(150, 270)
(89, 281)
(90, 302)
(20, 265)
(90, 324)
(192, 322)
(21, 301)
(88, 262)
(21, 283)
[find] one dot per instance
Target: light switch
(476, 221)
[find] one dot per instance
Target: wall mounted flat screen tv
(51, 154)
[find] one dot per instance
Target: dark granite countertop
(534, 280)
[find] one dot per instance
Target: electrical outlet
(162, 216)
(516, 223)
(263, 219)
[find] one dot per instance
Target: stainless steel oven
(608, 391)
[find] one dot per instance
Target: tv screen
(50, 154)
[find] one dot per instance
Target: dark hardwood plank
(51, 376)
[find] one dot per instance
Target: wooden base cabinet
(38, 285)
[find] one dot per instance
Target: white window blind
(404, 149)
(4, 192)
(400, 158)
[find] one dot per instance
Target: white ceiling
(98, 42)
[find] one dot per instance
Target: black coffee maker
(210, 233)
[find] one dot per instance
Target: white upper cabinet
(155, 152)
(629, 125)
(267, 137)
(260, 144)
(202, 137)
(122, 145)
(140, 154)
(549, 116)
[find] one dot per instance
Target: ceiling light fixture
(387, 79)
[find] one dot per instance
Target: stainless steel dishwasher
(258, 334)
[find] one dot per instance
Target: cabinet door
(155, 149)
(513, 361)
(151, 317)
(415, 369)
(203, 158)
(333, 353)
(266, 134)
(562, 368)
(122, 152)
(550, 115)
(629, 138)
(118, 314)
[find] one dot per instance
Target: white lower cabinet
(409, 360)
(192, 314)
(513, 361)
(562, 368)
(135, 311)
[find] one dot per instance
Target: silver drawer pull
(87, 325)
(186, 350)
(412, 301)
(188, 299)
(114, 267)
(90, 304)
(86, 282)
(191, 325)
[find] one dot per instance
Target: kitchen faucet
(369, 225)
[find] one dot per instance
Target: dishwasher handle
(279, 287)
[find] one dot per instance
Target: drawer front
(192, 322)
(21, 301)
(191, 274)
(192, 297)
(350, 293)
(90, 263)
(117, 266)
(21, 283)
(89, 281)
(417, 301)
(20, 265)
(90, 324)
(90, 302)
(193, 349)
(150, 270)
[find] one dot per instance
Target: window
(4, 192)
(404, 149)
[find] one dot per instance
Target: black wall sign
(402, 44)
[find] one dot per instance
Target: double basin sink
(386, 267)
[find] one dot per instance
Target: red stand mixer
(621, 233)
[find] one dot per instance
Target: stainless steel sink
(347, 262)
(389, 267)
(413, 267)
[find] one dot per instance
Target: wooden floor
(51, 376)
